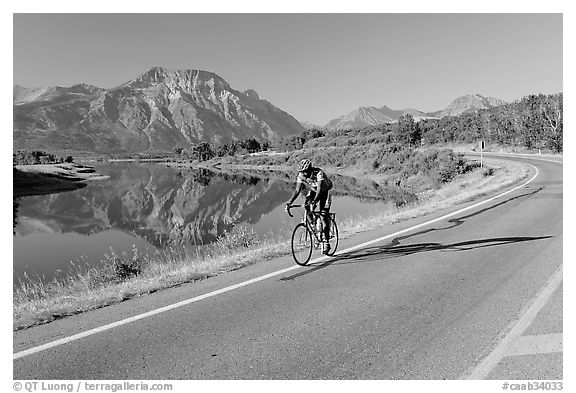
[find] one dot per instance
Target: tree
(407, 133)
(293, 142)
(551, 109)
(251, 145)
(532, 123)
(221, 150)
(202, 152)
(312, 134)
(429, 130)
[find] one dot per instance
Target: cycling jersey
(311, 183)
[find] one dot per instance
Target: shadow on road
(389, 251)
(393, 249)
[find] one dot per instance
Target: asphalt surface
(431, 303)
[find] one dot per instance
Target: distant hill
(159, 110)
(370, 116)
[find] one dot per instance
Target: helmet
(304, 165)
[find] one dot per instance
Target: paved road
(477, 294)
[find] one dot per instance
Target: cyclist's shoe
(325, 248)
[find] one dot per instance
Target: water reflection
(161, 205)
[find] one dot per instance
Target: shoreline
(41, 303)
(281, 169)
(44, 179)
(224, 164)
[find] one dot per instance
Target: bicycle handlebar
(288, 207)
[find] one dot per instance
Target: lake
(155, 207)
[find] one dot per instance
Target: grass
(462, 189)
(125, 276)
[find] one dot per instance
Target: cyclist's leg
(324, 203)
(308, 206)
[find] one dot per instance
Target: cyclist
(315, 181)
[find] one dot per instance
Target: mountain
(23, 95)
(466, 103)
(370, 116)
(309, 126)
(159, 110)
(361, 117)
(396, 114)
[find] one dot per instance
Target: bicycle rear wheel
(333, 240)
(302, 244)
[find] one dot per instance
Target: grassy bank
(127, 276)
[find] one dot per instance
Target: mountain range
(369, 116)
(162, 109)
(159, 110)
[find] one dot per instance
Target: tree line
(205, 151)
(535, 121)
(35, 157)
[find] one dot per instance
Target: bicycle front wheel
(302, 244)
(333, 240)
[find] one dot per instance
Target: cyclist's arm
(297, 191)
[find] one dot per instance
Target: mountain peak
(84, 88)
(470, 102)
(252, 93)
(360, 117)
(157, 68)
(153, 76)
(158, 75)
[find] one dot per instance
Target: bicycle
(306, 236)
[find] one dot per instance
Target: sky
(314, 66)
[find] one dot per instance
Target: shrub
(128, 267)
(239, 237)
(488, 172)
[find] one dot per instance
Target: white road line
(504, 346)
(527, 156)
(532, 345)
(103, 328)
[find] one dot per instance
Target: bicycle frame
(306, 221)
